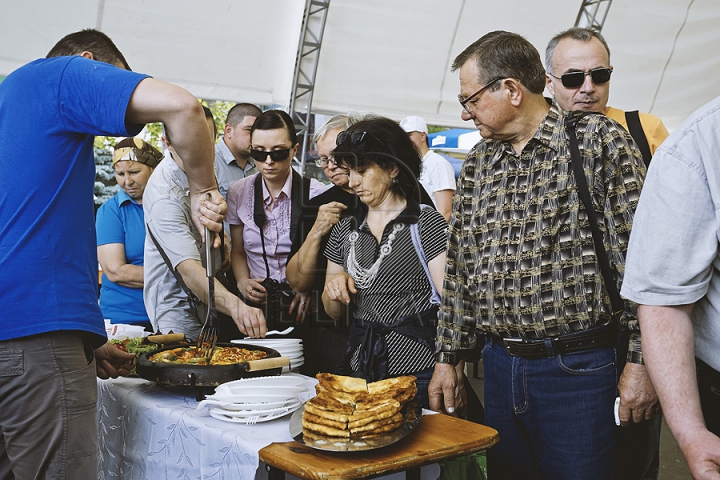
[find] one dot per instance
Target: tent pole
(592, 14)
(306, 64)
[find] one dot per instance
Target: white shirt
(436, 174)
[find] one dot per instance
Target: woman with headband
(120, 228)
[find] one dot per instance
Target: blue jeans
(422, 382)
(554, 415)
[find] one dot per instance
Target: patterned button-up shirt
(520, 260)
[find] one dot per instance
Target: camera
(277, 303)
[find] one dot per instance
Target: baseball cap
(413, 123)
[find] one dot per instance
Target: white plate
(273, 381)
(270, 342)
(296, 358)
(253, 413)
(287, 351)
(259, 405)
(250, 397)
(294, 365)
(260, 390)
(247, 420)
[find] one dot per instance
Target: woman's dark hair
(386, 145)
(274, 119)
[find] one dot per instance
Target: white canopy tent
(390, 57)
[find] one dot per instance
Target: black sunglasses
(275, 155)
(355, 136)
(575, 79)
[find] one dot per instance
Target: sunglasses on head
(575, 79)
(275, 155)
(355, 136)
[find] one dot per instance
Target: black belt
(605, 336)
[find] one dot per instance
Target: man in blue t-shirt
(50, 110)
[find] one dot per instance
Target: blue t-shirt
(50, 110)
(121, 220)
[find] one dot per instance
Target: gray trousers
(48, 411)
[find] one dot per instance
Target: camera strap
(299, 196)
(192, 298)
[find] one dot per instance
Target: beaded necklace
(364, 277)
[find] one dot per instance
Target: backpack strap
(417, 243)
(617, 303)
(638, 133)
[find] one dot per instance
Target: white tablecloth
(152, 432)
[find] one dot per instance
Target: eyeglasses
(464, 101)
(575, 79)
(325, 162)
(275, 155)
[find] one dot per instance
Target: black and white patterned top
(401, 287)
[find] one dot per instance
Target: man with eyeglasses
(522, 271)
(578, 75)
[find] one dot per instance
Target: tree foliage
(105, 184)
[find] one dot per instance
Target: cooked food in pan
(221, 356)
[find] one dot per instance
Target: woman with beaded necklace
(386, 263)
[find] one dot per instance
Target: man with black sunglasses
(522, 274)
(578, 75)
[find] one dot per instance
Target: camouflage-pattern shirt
(521, 261)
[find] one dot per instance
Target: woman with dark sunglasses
(261, 218)
(385, 263)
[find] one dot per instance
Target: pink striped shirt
(240, 199)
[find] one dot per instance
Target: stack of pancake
(349, 407)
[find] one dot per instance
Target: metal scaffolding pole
(593, 14)
(306, 64)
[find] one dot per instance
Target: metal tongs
(209, 334)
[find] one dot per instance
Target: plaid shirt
(521, 261)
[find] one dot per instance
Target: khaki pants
(48, 411)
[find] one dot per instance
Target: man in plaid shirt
(523, 274)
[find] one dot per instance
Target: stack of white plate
(287, 347)
(258, 399)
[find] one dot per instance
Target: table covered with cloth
(152, 432)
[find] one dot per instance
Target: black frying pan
(209, 375)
